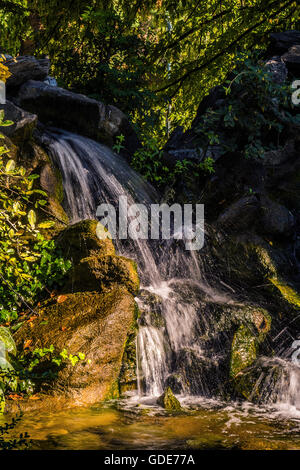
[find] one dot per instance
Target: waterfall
(173, 327)
(178, 342)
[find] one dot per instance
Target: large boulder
(281, 42)
(77, 113)
(168, 401)
(240, 215)
(102, 272)
(26, 68)
(80, 241)
(292, 60)
(94, 314)
(96, 267)
(22, 148)
(91, 323)
(23, 126)
(276, 219)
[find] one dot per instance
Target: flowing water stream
(173, 288)
(178, 343)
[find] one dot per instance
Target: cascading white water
(172, 291)
(174, 327)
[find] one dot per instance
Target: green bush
(28, 261)
(254, 115)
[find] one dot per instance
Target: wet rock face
(27, 153)
(77, 113)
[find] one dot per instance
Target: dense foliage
(29, 371)
(154, 59)
(28, 261)
(254, 115)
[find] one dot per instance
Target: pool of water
(132, 424)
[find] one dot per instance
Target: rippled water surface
(132, 425)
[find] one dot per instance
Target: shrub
(28, 262)
(253, 115)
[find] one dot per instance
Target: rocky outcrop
(93, 314)
(77, 113)
(168, 401)
(292, 60)
(94, 324)
(26, 68)
(282, 42)
(242, 213)
(252, 249)
(23, 125)
(263, 214)
(22, 147)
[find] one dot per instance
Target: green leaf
(47, 224)
(10, 166)
(32, 218)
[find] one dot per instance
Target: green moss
(57, 210)
(289, 294)
(59, 189)
(168, 401)
(101, 272)
(244, 350)
(114, 391)
(2, 402)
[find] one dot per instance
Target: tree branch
(181, 79)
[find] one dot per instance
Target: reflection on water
(130, 424)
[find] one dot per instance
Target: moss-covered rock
(256, 323)
(102, 272)
(94, 324)
(35, 160)
(80, 240)
(287, 292)
(244, 350)
(57, 211)
(128, 377)
(168, 401)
